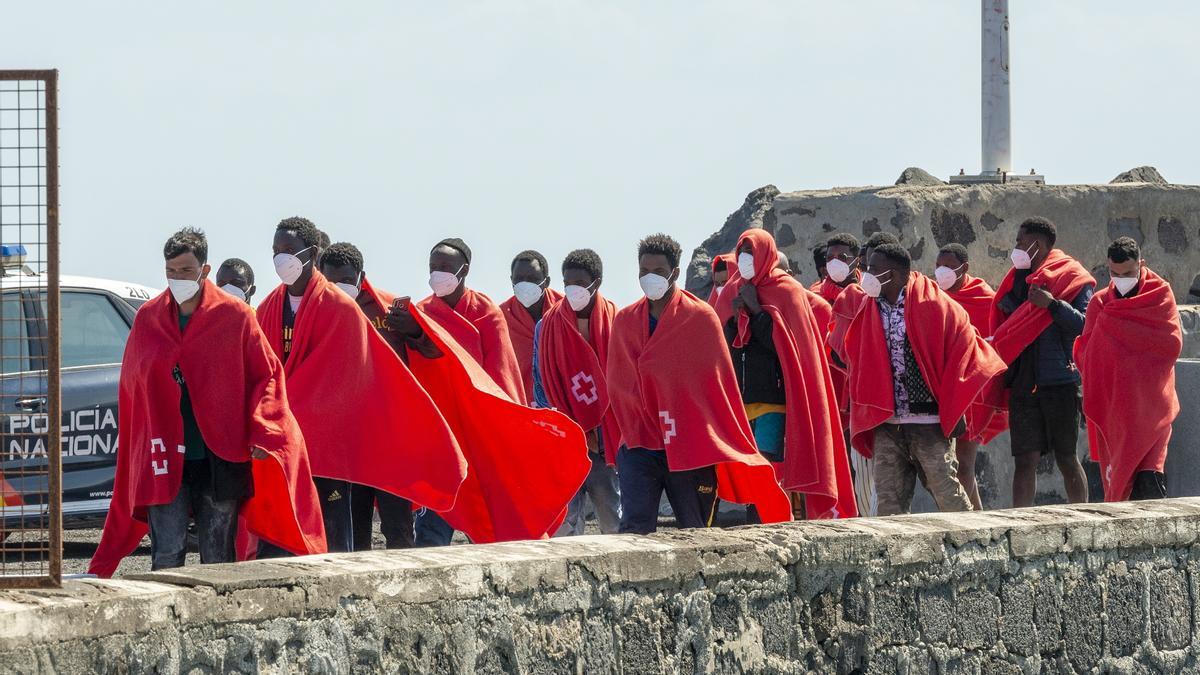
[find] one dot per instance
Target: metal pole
(997, 133)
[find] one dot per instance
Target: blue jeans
(643, 476)
(602, 487)
(216, 528)
(768, 435)
(432, 529)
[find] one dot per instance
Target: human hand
(1040, 296)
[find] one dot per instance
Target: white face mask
(289, 267)
(654, 286)
(578, 296)
(234, 291)
(1126, 284)
(527, 293)
(184, 289)
(871, 284)
(746, 265)
(444, 283)
(351, 290)
(1022, 259)
(946, 277)
(838, 270)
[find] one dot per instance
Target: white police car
(96, 318)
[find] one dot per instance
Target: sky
(560, 124)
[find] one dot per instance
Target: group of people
(283, 431)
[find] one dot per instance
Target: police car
(96, 316)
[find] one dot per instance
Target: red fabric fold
(573, 369)
(523, 465)
(1126, 357)
(347, 390)
(520, 332)
(990, 412)
(955, 361)
(240, 402)
(676, 391)
(1062, 275)
(729, 260)
(478, 325)
(815, 459)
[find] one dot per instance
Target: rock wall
(1164, 219)
(1108, 588)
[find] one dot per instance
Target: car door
(23, 464)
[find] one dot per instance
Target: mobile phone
(401, 302)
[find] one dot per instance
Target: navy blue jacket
(1048, 361)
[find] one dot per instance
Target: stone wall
(1109, 588)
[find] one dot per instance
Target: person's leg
(572, 525)
(168, 530)
(641, 477)
(865, 491)
(693, 496)
(335, 511)
(395, 520)
(431, 529)
(1061, 409)
(966, 451)
(1148, 485)
(895, 477)
(939, 468)
(216, 528)
(768, 435)
(1027, 434)
(604, 491)
(362, 515)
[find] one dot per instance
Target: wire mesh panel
(30, 406)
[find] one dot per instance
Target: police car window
(14, 335)
(93, 331)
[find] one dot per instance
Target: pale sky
(559, 124)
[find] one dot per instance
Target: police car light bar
(12, 256)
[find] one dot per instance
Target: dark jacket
(1049, 360)
(756, 364)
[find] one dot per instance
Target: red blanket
(1126, 357)
(520, 331)
(524, 465)
(364, 417)
(955, 362)
(990, 412)
(477, 324)
(572, 369)
(240, 402)
(729, 261)
(822, 310)
(815, 460)
(1063, 276)
(676, 391)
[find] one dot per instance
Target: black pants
(216, 527)
(644, 475)
(1148, 485)
(395, 517)
(1045, 421)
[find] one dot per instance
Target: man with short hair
(201, 397)
(841, 265)
(675, 396)
(975, 296)
(570, 351)
(818, 256)
(236, 277)
(1126, 355)
(532, 297)
(1037, 313)
(916, 366)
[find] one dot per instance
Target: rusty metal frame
(53, 499)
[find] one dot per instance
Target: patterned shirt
(914, 402)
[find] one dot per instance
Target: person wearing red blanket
(916, 365)
(532, 296)
(723, 266)
(347, 390)
(975, 296)
(675, 395)
(1126, 355)
(1037, 313)
(570, 353)
(778, 350)
(205, 429)
(818, 255)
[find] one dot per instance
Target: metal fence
(30, 402)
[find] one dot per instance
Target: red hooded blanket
(477, 325)
(520, 332)
(572, 369)
(728, 261)
(822, 311)
(955, 362)
(989, 413)
(524, 465)
(365, 418)
(240, 402)
(676, 391)
(1062, 275)
(1126, 357)
(815, 460)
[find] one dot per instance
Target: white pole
(997, 134)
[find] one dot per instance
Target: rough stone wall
(1100, 588)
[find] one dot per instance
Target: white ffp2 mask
(872, 285)
(528, 293)
(745, 264)
(946, 277)
(443, 283)
(1125, 284)
(184, 289)
(837, 270)
(655, 286)
(289, 267)
(578, 297)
